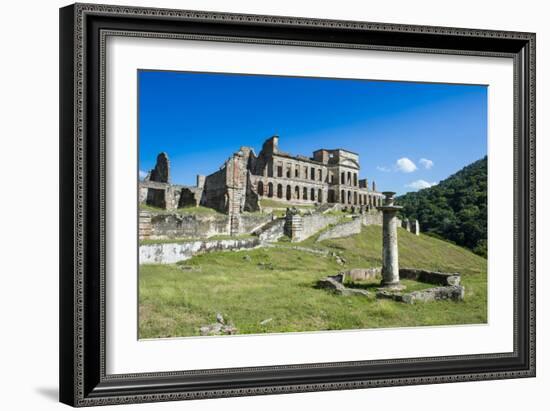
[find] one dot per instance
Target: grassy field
(279, 283)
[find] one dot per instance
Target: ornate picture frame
(84, 29)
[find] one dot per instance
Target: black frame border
(83, 30)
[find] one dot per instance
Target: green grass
(280, 283)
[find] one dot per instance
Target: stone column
(390, 259)
(416, 227)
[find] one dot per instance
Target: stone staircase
(145, 228)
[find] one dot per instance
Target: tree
(454, 209)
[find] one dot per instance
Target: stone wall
(372, 218)
(342, 230)
(271, 231)
(301, 227)
(432, 277)
(175, 225)
(169, 253)
(215, 191)
(168, 196)
(358, 274)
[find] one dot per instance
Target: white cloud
(427, 164)
(142, 174)
(405, 165)
(383, 169)
(420, 184)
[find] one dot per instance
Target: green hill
(455, 209)
(273, 289)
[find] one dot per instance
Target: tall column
(390, 254)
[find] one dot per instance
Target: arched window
(355, 198)
(312, 173)
(320, 196)
(288, 193)
(349, 197)
(343, 178)
(355, 179)
(312, 194)
(260, 188)
(343, 197)
(304, 197)
(279, 190)
(297, 193)
(349, 177)
(320, 174)
(270, 189)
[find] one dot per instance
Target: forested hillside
(455, 209)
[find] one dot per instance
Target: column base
(392, 286)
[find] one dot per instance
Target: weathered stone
(390, 259)
(358, 274)
(454, 292)
(189, 225)
(145, 227)
(416, 227)
(432, 277)
(217, 329)
(299, 228)
(335, 284)
(188, 198)
(169, 253)
(341, 230)
(272, 231)
(161, 172)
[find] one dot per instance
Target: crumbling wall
(189, 197)
(215, 191)
(342, 230)
(161, 172)
(299, 227)
(156, 197)
(169, 253)
(372, 218)
(188, 226)
(174, 225)
(252, 200)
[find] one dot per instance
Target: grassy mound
(279, 283)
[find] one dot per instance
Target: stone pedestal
(390, 254)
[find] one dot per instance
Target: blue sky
(408, 135)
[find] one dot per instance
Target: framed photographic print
(261, 204)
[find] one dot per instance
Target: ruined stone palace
(329, 176)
